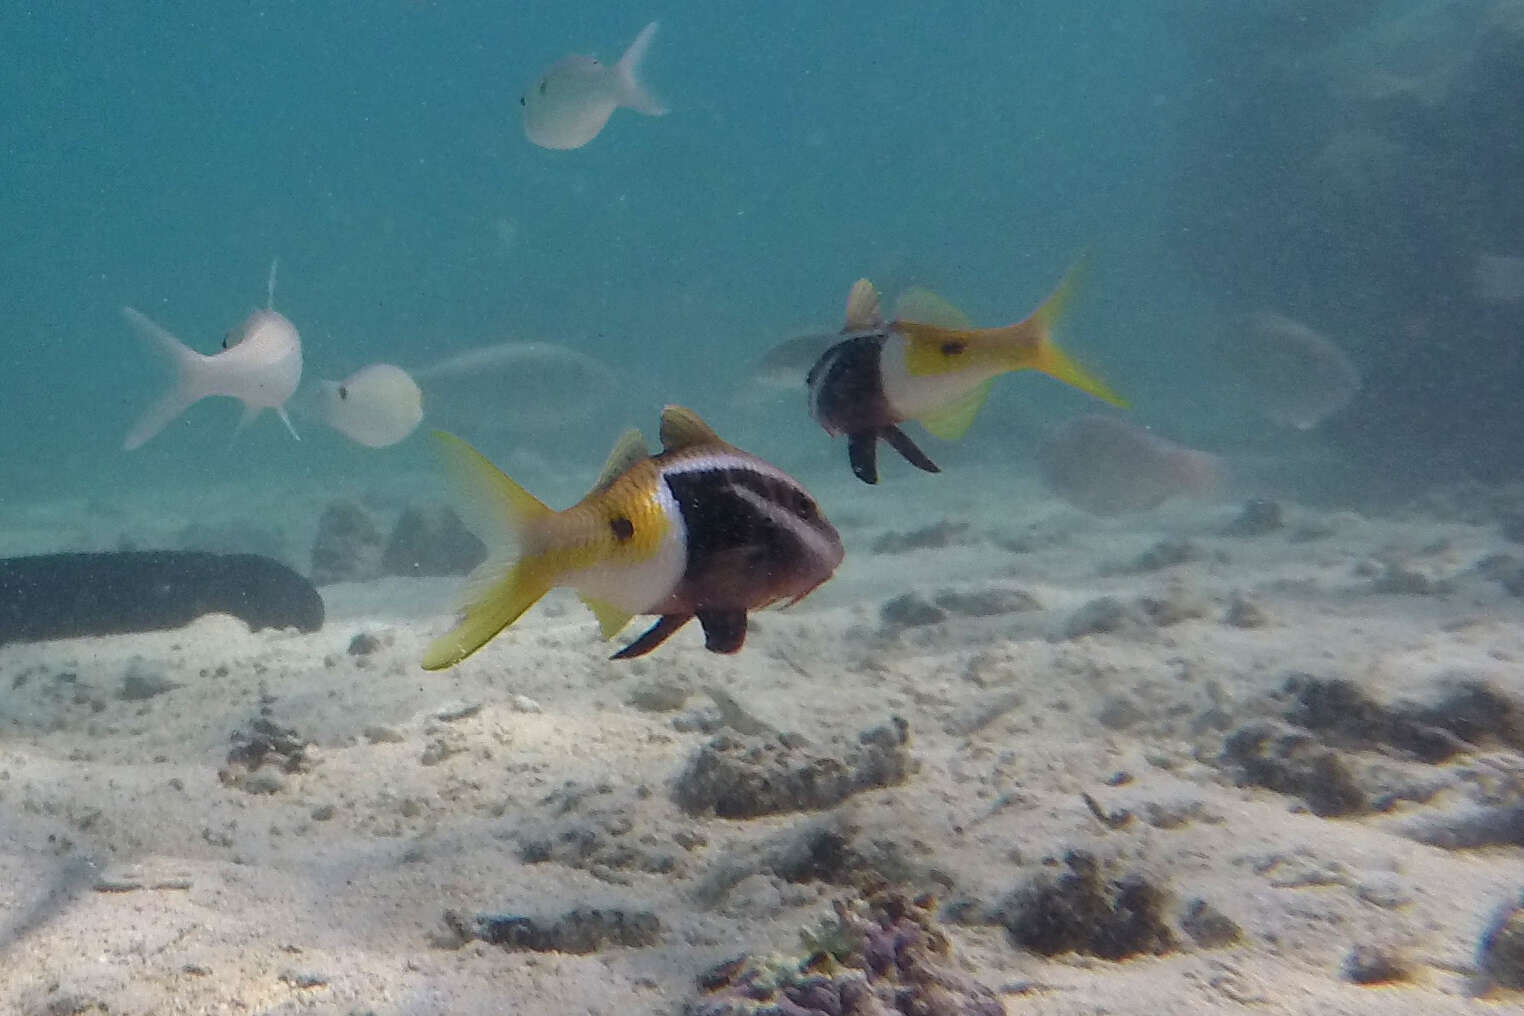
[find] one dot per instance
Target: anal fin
(654, 636)
(953, 420)
(724, 630)
(611, 620)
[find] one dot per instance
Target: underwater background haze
(1187, 684)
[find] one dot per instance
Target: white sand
(248, 903)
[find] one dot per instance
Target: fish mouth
(820, 578)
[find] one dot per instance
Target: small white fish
(375, 406)
(528, 387)
(572, 101)
(260, 365)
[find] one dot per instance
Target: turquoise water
(163, 160)
(1293, 698)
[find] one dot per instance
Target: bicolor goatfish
(701, 529)
(930, 365)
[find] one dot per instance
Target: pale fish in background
(570, 103)
(1289, 373)
(1499, 278)
(376, 406)
(1107, 466)
(260, 365)
(531, 387)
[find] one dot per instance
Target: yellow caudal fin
(502, 603)
(500, 505)
(1056, 363)
(1035, 348)
(500, 512)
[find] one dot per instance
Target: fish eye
(343, 391)
(622, 528)
(543, 83)
(225, 337)
(521, 101)
(952, 348)
(804, 507)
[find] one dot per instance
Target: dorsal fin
(927, 308)
(683, 428)
(862, 308)
(628, 450)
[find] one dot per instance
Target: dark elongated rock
(55, 596)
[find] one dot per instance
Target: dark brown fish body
(929, 365)
(701, 530)
(753, 536)
(847, 396)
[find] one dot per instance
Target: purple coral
(901, 964)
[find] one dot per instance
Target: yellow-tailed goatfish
(930, 365)
(701, 529)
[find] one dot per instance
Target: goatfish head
(700, 529)
(929, 365)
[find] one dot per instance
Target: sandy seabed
(1299, 748)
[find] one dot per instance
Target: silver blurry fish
(1289, 373)
(527, 387)
(785, 366)
(376, 406)
(260, 365)
(1107, 466)
(573, 100)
